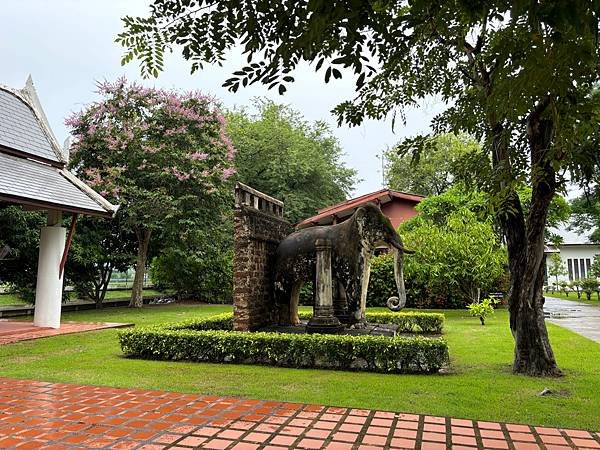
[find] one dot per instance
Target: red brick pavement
(15, 331)
(36, 415)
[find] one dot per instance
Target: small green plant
(483, 308)
(589, 286)
(576, 286)
(564, 286)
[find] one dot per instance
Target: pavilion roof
(32, 163)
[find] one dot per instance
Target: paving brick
(495, 443)
(374, 440)
(283, 440)
(127, 419)
(551, 439)
(217, 444)
(436, 437)
(463, 440)
(403, 443)
(587, 443)
(463, 430)
(311, 443)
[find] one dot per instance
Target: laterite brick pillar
(258, 228)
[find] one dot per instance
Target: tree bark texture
(525, 243)
(137, 298)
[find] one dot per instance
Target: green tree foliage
(437, 208)
(21, 233)
(595, 267)
(163, 156)
(201, 269)
(565, 287)
(458, 254)
(100, 247)
(461, 257)
(556, 267)
(517, 76)
(281, 154)
(589, 286)
(586, 215)
(432, 172)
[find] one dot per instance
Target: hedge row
(365, 353)
(408, 322)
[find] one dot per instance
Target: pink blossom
(94, 178)
(74, 120)
(228, 172)
(181, 176)
(173, 131)
(199, 156)
(230, 154)
(112, 142)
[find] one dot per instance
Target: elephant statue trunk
(397, 303)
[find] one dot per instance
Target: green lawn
(12, 299)
(479, 384)
(573, 297)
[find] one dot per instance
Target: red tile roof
(347, 207)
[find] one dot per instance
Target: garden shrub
(482, 309)
(365, 353)
(418, 295)
(409, 322)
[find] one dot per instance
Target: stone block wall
(258, 228)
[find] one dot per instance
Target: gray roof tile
(21, 130)
(39, 182)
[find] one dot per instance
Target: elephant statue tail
(395, 304)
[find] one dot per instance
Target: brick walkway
(39, 415)
(15, 331)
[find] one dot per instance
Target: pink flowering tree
(164, 156)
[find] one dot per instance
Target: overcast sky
(68, 45)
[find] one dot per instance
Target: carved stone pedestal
(323, 320)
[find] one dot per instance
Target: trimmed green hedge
(408, 322)
(369, 353)
(211, 340)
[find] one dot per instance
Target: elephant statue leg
(294, 301)
(340, 302)
(287, 297)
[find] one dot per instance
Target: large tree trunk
(525, 244)
(533, 352)
(137, 299)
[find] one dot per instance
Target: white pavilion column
(48, 292)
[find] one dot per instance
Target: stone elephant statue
(353, 244)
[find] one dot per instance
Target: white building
(577, 254)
